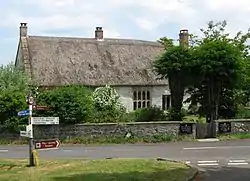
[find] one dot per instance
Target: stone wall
(103, 130)
(171, 128)
(233, 126)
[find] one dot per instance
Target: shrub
(175, 115)
(108, 108)
(10, 104)
(72, 104)
(149, 114)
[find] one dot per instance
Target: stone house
(125, 64)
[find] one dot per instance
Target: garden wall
(171, 128)
(232, 126)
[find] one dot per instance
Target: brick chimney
(23, 29)
(99, 33)
(183, 38)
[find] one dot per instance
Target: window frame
(164, 102)
(141, 96)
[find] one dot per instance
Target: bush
(10, 104)
(243, 113)
(72, 104)
(108, 108)
(148, 114)
(175, 115)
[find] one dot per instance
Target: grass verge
(95, 170)
(110, 140)
(238, 136)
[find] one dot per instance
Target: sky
(133, 19)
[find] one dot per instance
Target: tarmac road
(227, 160)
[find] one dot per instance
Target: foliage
(10, 104)
(13, 89)
(12, 79)
(72, 104)
(174, 114)
(149, 114)
(108, 106)
(175, 65)
(106, 98)
(219, 63)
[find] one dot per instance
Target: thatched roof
(61, 61)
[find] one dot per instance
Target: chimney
(183, 38)
(23, 29)
(99, 33)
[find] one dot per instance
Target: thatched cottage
(123, 63)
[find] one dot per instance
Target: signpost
(40, 108)
(23, 133)
(29, 130)
(44, 120)
(39, 144)
(24, 113)
(47, 144)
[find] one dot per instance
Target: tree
(14, 85)
(174, 64)
(72, 104)
(12, 79)
(221, 60)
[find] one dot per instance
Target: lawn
(95, 170)
(234, 136)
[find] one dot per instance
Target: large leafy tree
(174, 64)
(14, 85)
(222, 63)
(12, 79)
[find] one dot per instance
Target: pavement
(222, 160)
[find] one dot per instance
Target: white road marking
(67, 150)
(187, 162)
(235, 161)
(209, 161)
(243, 163)
(238, 162)
(208, 140)
(4, 151)
(199, 148)
(219, 147)
(208, 164)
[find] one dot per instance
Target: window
(141, 98)
(166, 102)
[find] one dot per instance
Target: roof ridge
(113, 40)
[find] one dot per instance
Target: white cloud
(86, 14)
(120, 18)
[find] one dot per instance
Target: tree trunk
(213, 100)
(177, 94)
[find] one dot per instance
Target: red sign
(40, 108)
(47, 144)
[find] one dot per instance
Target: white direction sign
(29, 131)
(44, 120)
(24, 134)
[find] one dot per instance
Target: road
(227, 160)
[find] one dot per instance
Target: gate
(205, 130)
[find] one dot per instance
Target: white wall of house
(126, 96)
(157, 93)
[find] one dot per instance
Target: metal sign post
(39, 144)
(30, 101)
